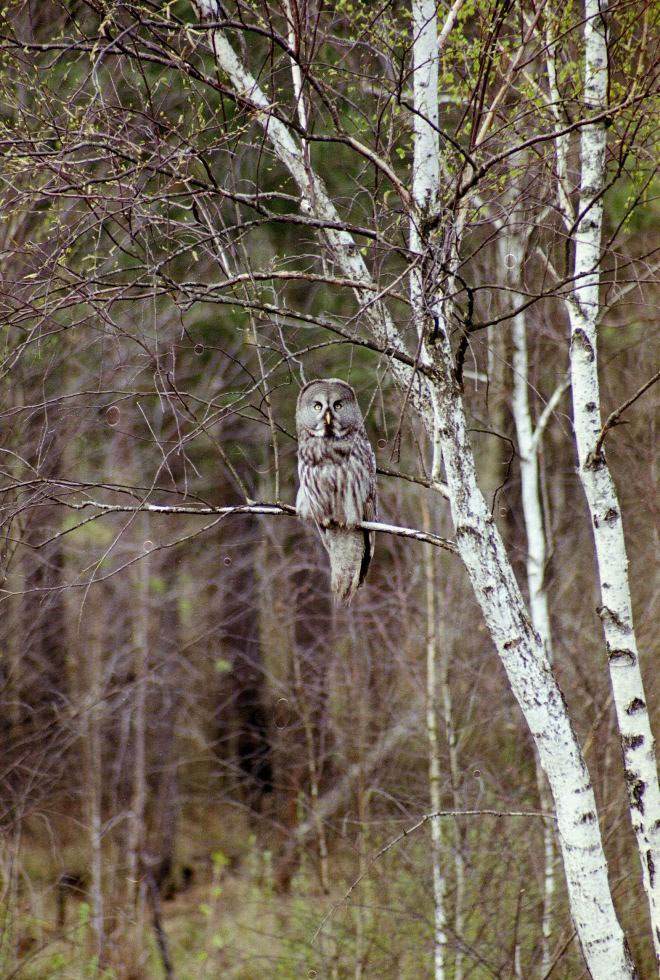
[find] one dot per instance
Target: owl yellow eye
(318, 406)
(337, 406)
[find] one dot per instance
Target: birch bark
(458, 840)
(439, 899)
(519, 646)
(615, 610)
(536, 551)
(440, 407)
(529, 473)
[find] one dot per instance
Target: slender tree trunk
(615, 611)
(363, 913)
(136, 838)
(43, 661)
(458, 843)
(10, 851)
(10, 666)
(96, 827)
(157, 917)
(169, 691)
(358, 679)
(528, 452)
(439, 887)
(90, 651)
(311, 751)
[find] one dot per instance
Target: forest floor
(224, 917)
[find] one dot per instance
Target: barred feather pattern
(337, 471)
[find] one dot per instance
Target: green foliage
(633, 203)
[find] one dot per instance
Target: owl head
(328, 408)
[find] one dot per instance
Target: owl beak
(328, 417)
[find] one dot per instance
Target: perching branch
(270, 510)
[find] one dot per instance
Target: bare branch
(268, 510)
(437, 815)
(613, 418)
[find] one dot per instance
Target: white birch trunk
(483, 553)
(522, 654)
(529, 469)
(425, 177)
(616, 609)
(534, 687)
(528, 448)
(439, 912)
(458, 840)
(561, 143)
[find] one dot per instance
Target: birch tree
(529, 444)
(439, 885)
(615, 610)
(479, 543)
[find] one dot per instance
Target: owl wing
(346, 488)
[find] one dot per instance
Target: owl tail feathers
(350, 554)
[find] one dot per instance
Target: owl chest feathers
(336, 479)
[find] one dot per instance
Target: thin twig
(436, 485)
(411, 830)
(549, 408)
(613, 419)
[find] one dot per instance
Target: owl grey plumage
(337, 470)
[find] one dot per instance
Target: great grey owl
(337, 470)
